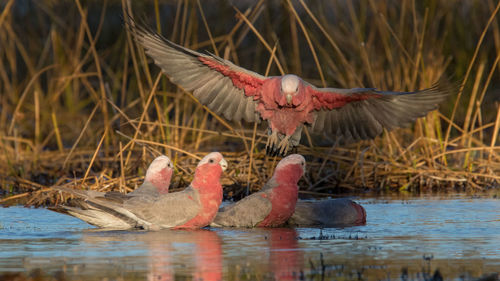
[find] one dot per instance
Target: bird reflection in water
(172, 254)
(198, 255)
(205, 254)
(286, 259)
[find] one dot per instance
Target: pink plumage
(287, 103)
(206, 184)
(158, 176)
(149, 208)
(273, 205)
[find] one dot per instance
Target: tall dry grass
(82, 105)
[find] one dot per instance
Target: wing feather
(238, 115)
(141, 211)
(363, 113)
(248, 212)
(319, 123)
(250, 110)
(219, 101)
(167, 211)
(232, 103)
(215, 81)
(204, 93)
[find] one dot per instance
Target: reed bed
(81, 105)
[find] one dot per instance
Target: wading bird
(273, 205)
(193, 207)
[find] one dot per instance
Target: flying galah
(331, 212)
(194, 207)
(286, 102)
(273, 205)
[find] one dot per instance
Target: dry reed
(81, 105)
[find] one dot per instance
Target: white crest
(289, 84)
(160, 163)
(292, 159)
(214, 157)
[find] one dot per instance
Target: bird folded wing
(146, 189)
(78, 192)
(329, 212)
(118, 210)
(110, 203)
(169, 210)
(217, 83)
(117, 196)
(100, 218)
(248, 212)
(357, 114)
(304, 214)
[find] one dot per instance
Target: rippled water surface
(403, 239)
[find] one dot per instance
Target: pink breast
(283, 205)
(210, 206)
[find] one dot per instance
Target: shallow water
(403, 240)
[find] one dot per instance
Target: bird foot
(272, 141)
(276, 147)
(284, 145)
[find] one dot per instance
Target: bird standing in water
(156, 181)
(193, 207)
(273, 205)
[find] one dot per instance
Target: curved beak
(223, 164)
(288, 98)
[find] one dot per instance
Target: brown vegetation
(81, 104)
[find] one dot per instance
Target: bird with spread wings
(287, 103)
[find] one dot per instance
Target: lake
(416, 238)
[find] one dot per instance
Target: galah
(286, 102)
(193, 207)
(330, 212)
(273, 205)
(156, 181)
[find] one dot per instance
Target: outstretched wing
(357, 114)
(217, 83)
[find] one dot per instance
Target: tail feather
(94, 208)
(98, 218)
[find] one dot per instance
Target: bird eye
(211, 161)
(302, 163)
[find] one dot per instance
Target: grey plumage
(329, 212)
(248, 212)
(184, 68)
(112, 210)
(366, 119)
